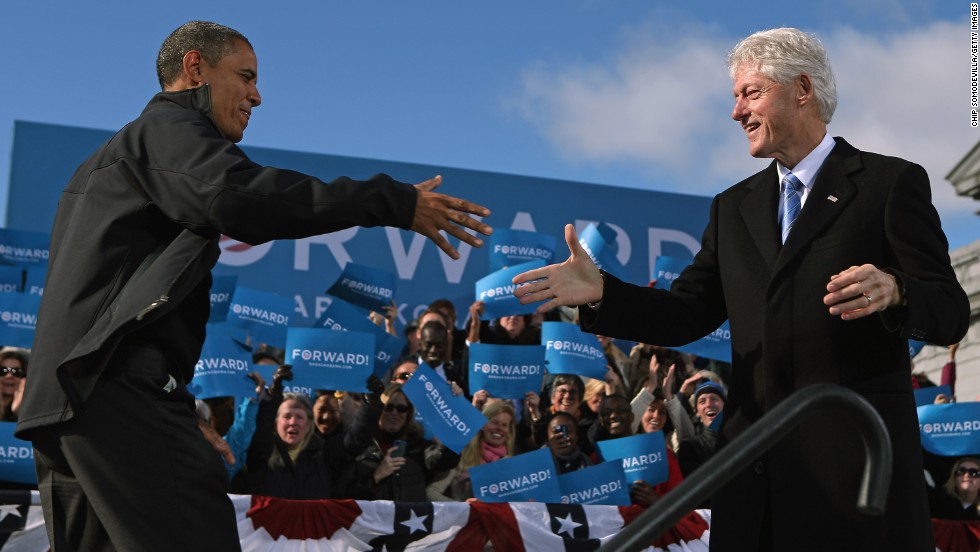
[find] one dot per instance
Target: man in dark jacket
(121, 462)
(824, 263)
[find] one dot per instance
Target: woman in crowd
(494, 442)
(13, 374)
(397, 463)
(506, 330)
(959, 497)
(288, 460)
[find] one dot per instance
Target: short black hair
(214, 41)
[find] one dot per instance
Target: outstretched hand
(576, 281)
(438, 212)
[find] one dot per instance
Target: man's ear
(804, 89)
(191, 76)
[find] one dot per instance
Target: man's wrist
(594, 305)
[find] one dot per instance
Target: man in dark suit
(121, 462)
(825, 263)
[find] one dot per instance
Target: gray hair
(214, 41)
(783, 55)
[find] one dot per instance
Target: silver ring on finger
(868, 297)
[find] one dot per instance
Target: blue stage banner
(18, 318)
(222, 370)
(23, 248)
(667, 269)
(16, 457)
(11, 278)
(365, 286)
(329, 359)
(927, 395)
(597, 240)
(452, 419)
(506, 371)
(508, 247)
(34, 283)
(496, 290)
(343, 316)
(266, 315)
(717, 345)
(644, 456)
(950, 429)
(604, 483)
(569, 350)
(528, 476)
(915, 347)
(222, 290)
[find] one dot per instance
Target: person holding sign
(397, 463)
(288, 460)
(495, 441)
(825, 263)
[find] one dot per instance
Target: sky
(631, 93)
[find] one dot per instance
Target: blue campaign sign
(450, 418)
(18, 318)
(950, 429)
(343, 316)
(329, 359)
(266, 315)
(23, 248)
(222, 290)
(597, 241)
(11, 278)
(16, 457)
(528, 476)
(507, 247)
(34, 283)
(222, 370)
(506, 371)
(389, 350)
(496, 290)
(667, 269)
(927, 395)
(364, 286)
(569, 350)
(603, 483)
(717, 345)
(644, 456)
(45, 156)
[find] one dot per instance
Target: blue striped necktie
(792, 193)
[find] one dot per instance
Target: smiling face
(234, 91)
(326, 414)
(654, 417)
(292, 423)
(616, 416)
(395, 414)
(566, 398)
(708, 406)
(13, 372)
(779, 120)
(432, 346)
(497, 431)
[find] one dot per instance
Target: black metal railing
(746, 448)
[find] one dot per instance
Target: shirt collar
(807, 169)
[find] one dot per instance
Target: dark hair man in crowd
(825, 263)
(121, 462)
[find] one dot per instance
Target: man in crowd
(825, 263)
(121, 463)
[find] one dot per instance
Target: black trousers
(133, 472)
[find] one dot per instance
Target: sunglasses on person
(401, 408)
(14, 371)
(974, 472)
(403, 376)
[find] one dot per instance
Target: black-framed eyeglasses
(15, 371)
(401, 408)
(974, 472)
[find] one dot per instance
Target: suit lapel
(830, 195)
(758, 210)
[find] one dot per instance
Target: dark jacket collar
(196, 99)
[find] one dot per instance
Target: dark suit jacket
(863, 208)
